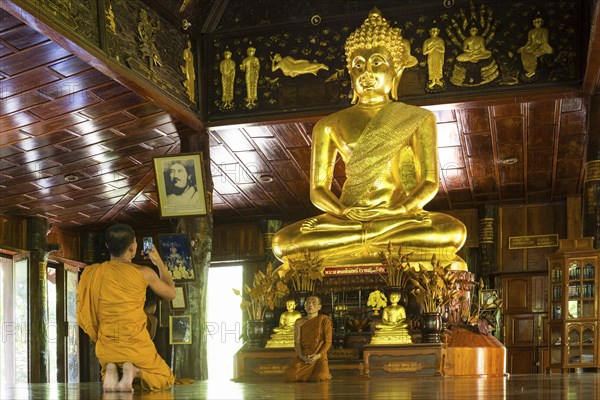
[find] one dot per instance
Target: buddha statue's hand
(371, 213)
(313, 225)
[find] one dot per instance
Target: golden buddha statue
(283, 335)
(393, 328)
(390, 152)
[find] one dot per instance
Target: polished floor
(557, 386)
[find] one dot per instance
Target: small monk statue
(393, 328)
(390, 152)
(283, 335)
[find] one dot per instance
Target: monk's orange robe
(110, 309)
(315, 337)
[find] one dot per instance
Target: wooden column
(488, 216)
(591, 184)
(190, 361)
(37, 242)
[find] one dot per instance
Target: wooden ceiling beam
(99, 60)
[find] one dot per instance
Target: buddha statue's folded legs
(346, 242)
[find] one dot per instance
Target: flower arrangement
(377, 300)
(266, 288)
(304, 273)
(433, 288)
(484, 315)
(397, 267)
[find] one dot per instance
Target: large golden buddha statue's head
(376, 32)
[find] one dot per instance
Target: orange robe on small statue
(110, 310)
(315, 337)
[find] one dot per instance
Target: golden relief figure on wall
(227, 69)
(537, 46)
(475, 64)
(189, 72)
(390, 153)
(110, 19)
(292, 67)
(434, 49)
(147, 31)
(251, 66)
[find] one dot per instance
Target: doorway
(14, 360)
(223, 320)
(63, 331)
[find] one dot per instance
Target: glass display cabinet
(574, 307)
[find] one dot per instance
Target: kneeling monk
(110, 309)
(312, 340)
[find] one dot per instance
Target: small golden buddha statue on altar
(283, 335)
(390, 153)
(393, 328)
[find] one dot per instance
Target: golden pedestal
(280, 341)
(391, 337)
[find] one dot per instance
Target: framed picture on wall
(180, 185)
(176, 253)
(180, 329)
(180, 302)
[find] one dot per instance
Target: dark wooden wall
(525, 220)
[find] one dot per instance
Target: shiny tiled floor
(557, 386)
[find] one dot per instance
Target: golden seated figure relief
(283, 335)
(390, 152)
(393, 328)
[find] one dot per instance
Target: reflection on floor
(530, 387)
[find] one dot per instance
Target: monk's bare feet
(111, 378)
(130, 372)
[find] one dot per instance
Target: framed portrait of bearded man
(180, 185)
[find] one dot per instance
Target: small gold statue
(474, 48)
(434, 48)
(283, 335)
(536, 46)
(227, 69)
(393, 328)
(251, 65)
(475, 66)
(189, 71)
(292, 67)
(390, 153)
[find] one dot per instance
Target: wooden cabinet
(574, 306)
(525, 321)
